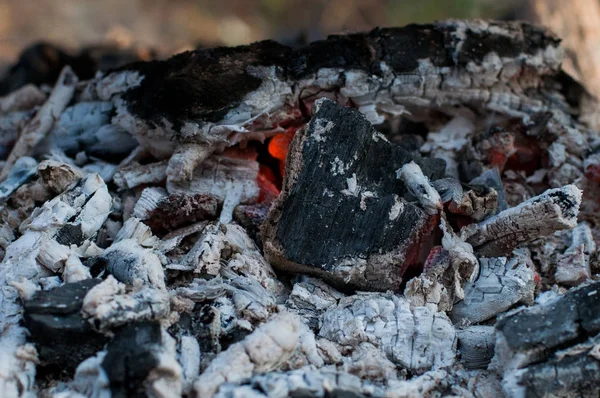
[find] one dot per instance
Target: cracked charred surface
(562, 355)
(502, 283)
(341, 214)
(200, 102)
(183, 288)
(418, 339)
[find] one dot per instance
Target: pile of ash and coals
(401, 213)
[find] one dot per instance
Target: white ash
(266, 349)
(165, 379)
(134, 229)
(449, 269)
(90, 378)
(462, 259)
(418, 185)
(189, 357)
(305, 381)
(502, 283)
(148, 202)
(205, 256)
(219, 175)
(446, 143)
(111, 304)
(129, 262)
(133, 175)
(38, 127)
(243, 258)
(370, 363)
(573, 266)
(87, 126)
(417, 338)
(105, 87)
(248, 302)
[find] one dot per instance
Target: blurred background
(173, 25)
(146, 29)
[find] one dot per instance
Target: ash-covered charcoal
(238, 305)
(23, 99)
(310, 298)
(231, 181)
(86, 127)
(58, 176)
(502, 283)
(134, 174)
(384, 73)
(83, 208)
(266, 349)
(341, 215)
(476, 346)
(417, 339)
(305, 382)
(61, 335)
(552, 347)
(41, 124)
(152, 163)
(140, 361)
(446, 272)
(491, 179)
(111, 304)
(554, 210)
(129, 262)
(22, 171)
(165, 213)
(573, 266)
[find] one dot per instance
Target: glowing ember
(279, 146)
(266, 181)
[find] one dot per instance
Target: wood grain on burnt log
(341, 214)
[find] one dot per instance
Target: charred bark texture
(342, 214)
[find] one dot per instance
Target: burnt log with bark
(202, 101)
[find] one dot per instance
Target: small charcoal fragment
(130, 357)
(61, 335)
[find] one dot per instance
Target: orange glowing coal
(279, 147)
(266, 181)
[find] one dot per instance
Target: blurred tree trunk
(577, 22)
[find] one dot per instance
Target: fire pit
(400, 213)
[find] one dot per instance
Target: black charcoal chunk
(130, 356)
(551, 349)
(59, 332)
(565, 319)
(341, 202)
(575, 375)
